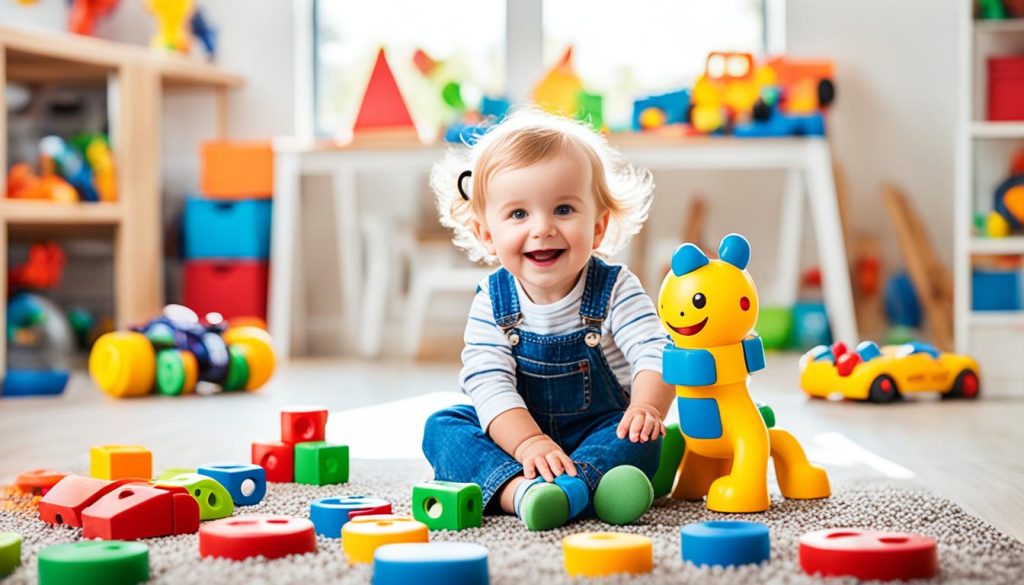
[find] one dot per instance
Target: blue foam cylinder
(431, 563)
(33, 382)
(726, 543)
(330, 514)
(233, 475)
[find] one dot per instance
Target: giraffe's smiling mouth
(690, 329)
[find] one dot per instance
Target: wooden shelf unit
(135, 78)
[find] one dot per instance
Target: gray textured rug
(970, 551)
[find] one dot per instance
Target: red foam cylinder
(868, 554)
(271, 536)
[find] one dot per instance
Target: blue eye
(563, 210)
(518, 214)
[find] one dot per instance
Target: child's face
(542, 222)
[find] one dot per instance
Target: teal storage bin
(227, 229)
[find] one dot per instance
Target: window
(647, 46)
(467, 38)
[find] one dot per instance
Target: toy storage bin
(995, 290)
(233, 288)
(237, 170)
(227, 229)
(1006, 88)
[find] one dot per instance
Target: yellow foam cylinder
(361, 536)
(123, 364)
(254, 343)
(596, 554)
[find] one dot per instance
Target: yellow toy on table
(172, 18)
(709, 308)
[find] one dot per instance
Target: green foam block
(321, 463)
(213, 498)
(94, 562)
(447, 505)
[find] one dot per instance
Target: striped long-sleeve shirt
(631, 336)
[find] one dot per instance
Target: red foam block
(271, 536)
(139, 510)
(278, 459)
(868, 554)
(302, 424)
(66, 500)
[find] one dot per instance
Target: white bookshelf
(983, 151)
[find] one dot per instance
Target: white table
(807, 162)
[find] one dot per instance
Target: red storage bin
(1006, 88)
(233, 288)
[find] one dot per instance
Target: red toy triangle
(383, 106)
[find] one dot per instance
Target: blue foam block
(330, 514)
(726, 543)
(431, 563)
(233, 476)
(576, 490)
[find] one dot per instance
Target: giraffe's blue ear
(735, 249)
(687, 258)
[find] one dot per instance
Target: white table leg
(377, 232)
(284, 268)
(835, 275)
(791, 230)
(350, 251)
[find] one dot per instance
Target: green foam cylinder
(623, 496)
(94, 562)
(10, 552)
(673, 444)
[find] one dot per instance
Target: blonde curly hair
(526, 138)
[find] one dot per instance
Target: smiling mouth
(691, 329)
(544, 257)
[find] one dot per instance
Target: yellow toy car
(888, 373)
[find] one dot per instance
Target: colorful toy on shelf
(725, 92)
(868, 555)
(446, 505)
(1007, 215)
(94, 562)
(362, 536)
(84, 13)
(40, 346)
(175, 350)
(598, 554)
(43, 269)
(269, 536)
(726, 543)
(172, 17)
(431, 563)
(709, 308)
(23, 183)
(203, 29)
(71, 166)
(101, 161)
(661, 110)
(558, 91)
(884, 374)
(383, 108)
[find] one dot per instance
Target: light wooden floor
(970, 452)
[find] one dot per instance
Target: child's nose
(543, 227)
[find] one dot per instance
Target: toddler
(562, 356)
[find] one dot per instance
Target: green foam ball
(624, 495)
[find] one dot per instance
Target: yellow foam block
(361, 536)
(120, 462)
(596, 554)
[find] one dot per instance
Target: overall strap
(505, 303)
(597, 295)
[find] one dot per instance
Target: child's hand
(641, 422)
(543, 455)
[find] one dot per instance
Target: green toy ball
(775, 326)
(623, 496)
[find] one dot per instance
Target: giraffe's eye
(699, 300)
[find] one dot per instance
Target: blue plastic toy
(205, 32)
(430, 563)
(329, 515)
(810, 320)
(673, 105)
(40, 345)
(247, 483)
(901, 304)
(726, 543)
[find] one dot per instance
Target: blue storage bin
(227, 229)
(995, 290)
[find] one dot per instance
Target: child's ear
(483, 235)
(601, 227)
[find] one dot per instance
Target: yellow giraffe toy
(709, 308)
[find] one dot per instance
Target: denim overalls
(568, 386)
